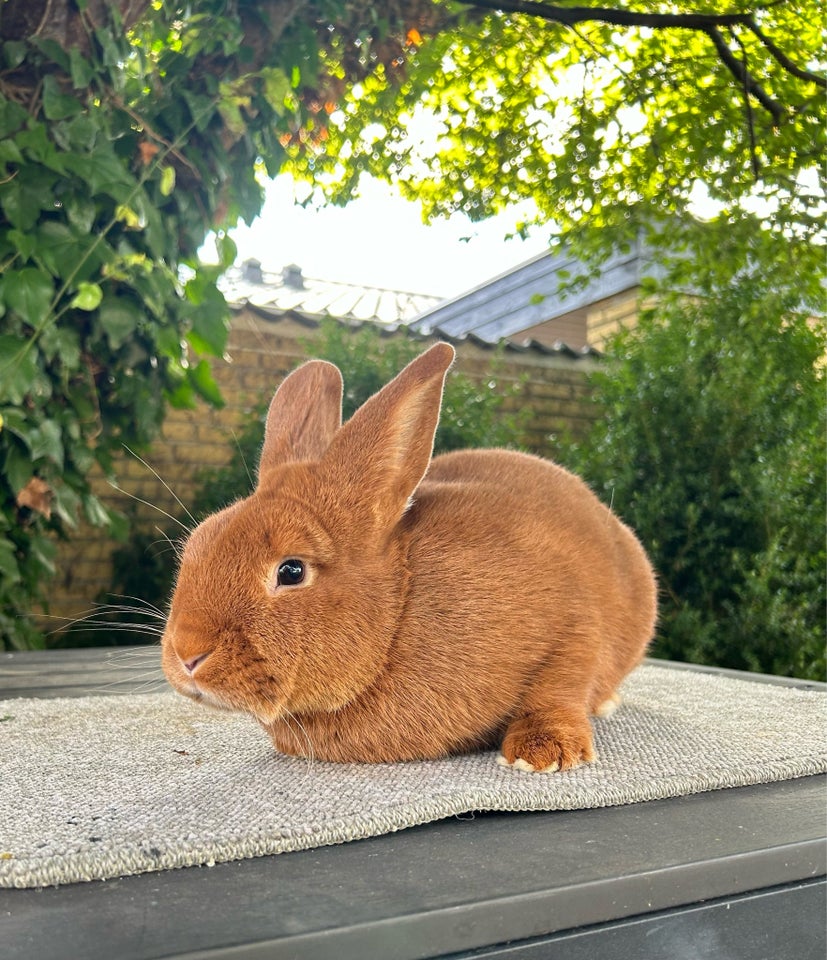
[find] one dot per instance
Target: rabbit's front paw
(538, 744)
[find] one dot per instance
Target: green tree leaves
(606, 118)
(88, 297)
(57, 105)
(29, 293)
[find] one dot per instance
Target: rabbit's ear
(304, 415)
(380, 455)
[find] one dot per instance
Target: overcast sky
(380, 240)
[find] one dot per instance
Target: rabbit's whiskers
(157, 475)
(307, 752)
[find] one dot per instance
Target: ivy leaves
(88, 297)
(97, 327)
(117, 155)
(29, 293)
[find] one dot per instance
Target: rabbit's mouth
(265, 713)
(206, 697)
(199, 683)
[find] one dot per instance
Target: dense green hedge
(710, 442)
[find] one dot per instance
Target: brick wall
(607, 316)
(260, 352)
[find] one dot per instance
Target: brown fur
(504, 604)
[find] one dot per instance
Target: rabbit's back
(521, 550)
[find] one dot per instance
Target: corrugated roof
(288, 293)
(311, 297)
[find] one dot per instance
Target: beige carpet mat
(101, 787)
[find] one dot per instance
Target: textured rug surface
(99, 787)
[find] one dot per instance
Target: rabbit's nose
(193, 663)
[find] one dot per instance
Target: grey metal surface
(783, 922)
(80, 673)
(446, 888)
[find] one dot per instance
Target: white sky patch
(379, 240)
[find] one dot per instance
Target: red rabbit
(365, 603)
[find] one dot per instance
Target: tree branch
(708, 23)
(150, 132)
(616, 17)
(782, 57)
(742, 75)
(756, 163)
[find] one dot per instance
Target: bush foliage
(711, 443)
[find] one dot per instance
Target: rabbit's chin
(265, 713)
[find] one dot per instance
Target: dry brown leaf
(37, 496)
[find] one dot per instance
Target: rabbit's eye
(290, 573)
